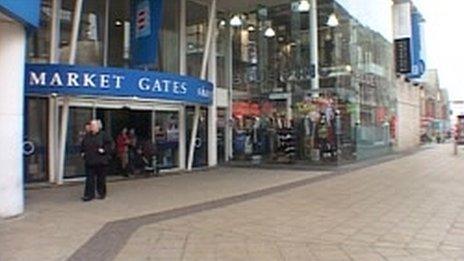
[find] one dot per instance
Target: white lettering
(89, 80)
(157, 86)
(183, 88)
(56, 80)
(72, 79)
(118, 79)
(37, 80)
(175, 88)
(104, 81)
(166, 85)
(144, 84)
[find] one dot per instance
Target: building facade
(408, 115)
(435, 108)
(278, 114)
(206, 81)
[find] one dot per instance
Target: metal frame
(206, 60)
(57, 134)
(66, 102)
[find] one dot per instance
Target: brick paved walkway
(408, 209)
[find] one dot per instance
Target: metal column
(75, 30)
(314, 48)
(207, 52)
(65, 109)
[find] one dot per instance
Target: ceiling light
(222, 23)
(251, 28)
(332, 21)
(118, 23)
(304, 6)
(236, 21)
(269, 32)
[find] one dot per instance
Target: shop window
(91, 32)
(38, 47)
(197, 24)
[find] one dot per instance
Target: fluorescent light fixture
(236, 21)
(304, 6)
(269, 32)
(333, 20)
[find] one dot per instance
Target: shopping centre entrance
(161, 124)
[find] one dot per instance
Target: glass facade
(277, 115)
(104, 39)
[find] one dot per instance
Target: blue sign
(24, 11)
(417, 42)
(145, 26)
(115, 82)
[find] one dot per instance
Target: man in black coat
(96, 150)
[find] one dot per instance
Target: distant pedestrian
(132, 150)
(96, 150)
(122, 146)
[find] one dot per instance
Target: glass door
(200, 158)
(36, 137)
(166, 133)
(74, 164)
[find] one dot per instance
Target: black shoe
(101, 197)
(85, 199)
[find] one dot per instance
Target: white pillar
(206, 60)
(212, 109)
(12, 62)
(182, 138)
(314, 48)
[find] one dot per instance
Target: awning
(115, 82)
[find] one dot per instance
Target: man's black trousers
(95, 175)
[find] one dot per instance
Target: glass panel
(91, 32)
(222, 48)
(119, 34)
(167, 139)
(197, 23)
(169, 52)
(74, 164)
(221, 134)
(38, 48)
(201, 143)
(37, 132)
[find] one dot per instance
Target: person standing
(96, 150)
(132, 149)
(122, 146)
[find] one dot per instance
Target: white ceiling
(244, 5)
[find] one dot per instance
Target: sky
(444, 35)
(444, 42)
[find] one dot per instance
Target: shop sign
(403, 55)
(145, 26)
(108, 82)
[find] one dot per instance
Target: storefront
(78, 69)
(155, 106)
(286, 109)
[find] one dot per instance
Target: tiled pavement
(57, 223)
(408, 209)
